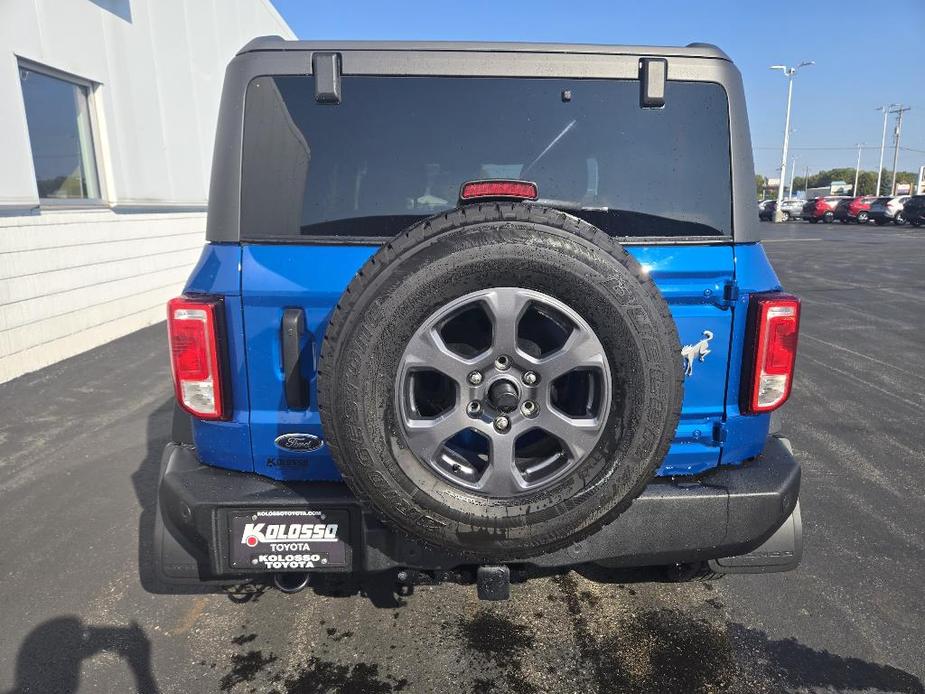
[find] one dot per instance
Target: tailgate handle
(293, 328)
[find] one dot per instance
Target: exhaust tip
(290, 582)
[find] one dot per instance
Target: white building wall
(73, 279)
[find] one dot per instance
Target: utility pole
(899, 126)
(857, 171)
(805, 182)
(789, 72)
(886, 111)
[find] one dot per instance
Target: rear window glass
(397, 149)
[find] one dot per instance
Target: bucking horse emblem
(698, 350)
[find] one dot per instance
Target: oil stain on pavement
(562, 634)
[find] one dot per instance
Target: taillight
(773, 325)
(193, 334)
(496, 188)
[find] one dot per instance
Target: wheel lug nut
(528, 408)
(474, 408)
(502, 423)
(503, 363)
(475, 378)
(530, 378)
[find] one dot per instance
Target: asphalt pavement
(80, 446)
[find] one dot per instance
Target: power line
(849, 147)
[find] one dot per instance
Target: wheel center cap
(504, 395)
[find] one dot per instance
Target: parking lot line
(867, 384)
(837, 346)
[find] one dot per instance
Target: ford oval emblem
(299, 442)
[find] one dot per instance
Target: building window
(60, 132)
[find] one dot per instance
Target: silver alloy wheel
(503, 333)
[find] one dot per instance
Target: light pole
(857, 171)
(899, 127)
(793, 170)
(886, 112)
(789, 72)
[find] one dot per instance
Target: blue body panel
(745, 434)
(276, 278)
(261, 281)
(692, 280)
(226, 444)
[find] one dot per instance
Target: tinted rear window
(397, 149)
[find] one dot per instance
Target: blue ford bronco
(475, 313)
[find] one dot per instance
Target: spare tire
(500, 381)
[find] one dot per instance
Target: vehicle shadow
(381, 591)
(145, 480)
(798, 666)
(51, 655)
(640, 574)
(691, 650)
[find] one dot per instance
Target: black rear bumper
(719, 516)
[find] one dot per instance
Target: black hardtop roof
(277, 43)
(273, 55)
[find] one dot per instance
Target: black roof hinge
(653, 73)
(730, 293)
(326, 69)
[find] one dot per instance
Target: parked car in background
(766, 209)
(914, 210)
(888, 209)
(821, 209)
(859, 208)
(792, 208)
(841, 210)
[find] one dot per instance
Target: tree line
(867, 180)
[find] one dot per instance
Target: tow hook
(493, 582)
(290, 582)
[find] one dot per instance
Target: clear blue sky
(867, 54)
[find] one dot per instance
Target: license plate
(289, 540)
